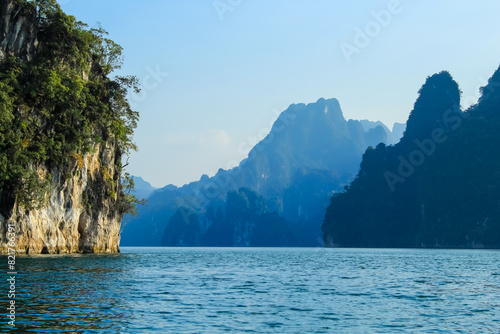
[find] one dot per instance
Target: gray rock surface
(78, 216)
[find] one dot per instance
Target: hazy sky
(217, 73)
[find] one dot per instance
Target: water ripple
(214, 290)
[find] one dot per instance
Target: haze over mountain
(142, 189)
(286, 180)
(438, 187)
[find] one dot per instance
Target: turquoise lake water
(253, 290)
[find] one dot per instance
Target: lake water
(284, 290)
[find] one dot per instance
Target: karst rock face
(18, 31)
(78, 215)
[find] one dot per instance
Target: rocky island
(65, 125)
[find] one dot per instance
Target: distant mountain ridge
(142, 189)
(310, 152)
(393, 136)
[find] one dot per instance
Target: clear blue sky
(234, 64)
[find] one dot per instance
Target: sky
(215, 74)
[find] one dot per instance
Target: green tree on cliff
(57, 106)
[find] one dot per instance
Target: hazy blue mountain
(310, 152)
(398, 129)
(393, 136)
(142, 188)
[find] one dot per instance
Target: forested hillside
(438, 187)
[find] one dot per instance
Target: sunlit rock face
(77, 217)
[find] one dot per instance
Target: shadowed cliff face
(78, 215)
(437, 188)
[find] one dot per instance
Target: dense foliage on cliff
(59, 104)
(438, 187)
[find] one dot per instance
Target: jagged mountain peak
(310, 151)
(319, 110)
(439, 99)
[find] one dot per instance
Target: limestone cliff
(77, 218)
(81, 210)
(18, 34)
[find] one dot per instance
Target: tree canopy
(61, 104)
(438, 187)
